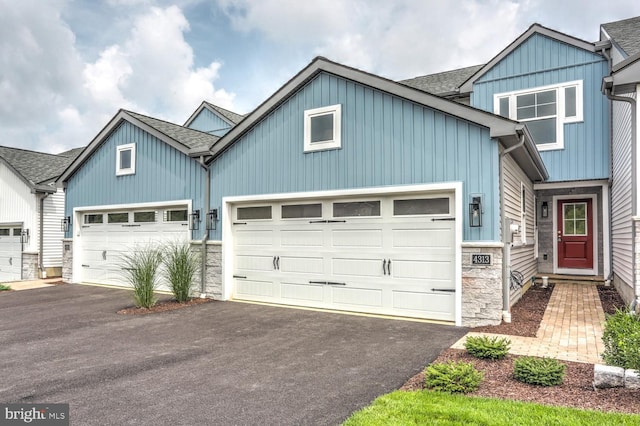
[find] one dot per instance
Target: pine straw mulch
(577, 389)
(162, 306)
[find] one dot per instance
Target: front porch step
(579, 279)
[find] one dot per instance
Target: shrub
(538, 371)
(487, 347)
(452, 377)
(621, 337)
(140, 267)
(181, 264)
(5, 287)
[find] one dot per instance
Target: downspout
(634, 208)
(506, 236)
(203, 242)
(609, 279)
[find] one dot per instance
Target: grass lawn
(433, 408)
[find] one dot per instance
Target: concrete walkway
(28, 285)
(571, 329)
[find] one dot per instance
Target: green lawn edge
(435, 408)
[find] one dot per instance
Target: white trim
(561, 120)
(130, 170)
(481, 244)
(229, 202)
(333, 143)
(570, 184)
(606, 225)
(594, 209)
(536, 253)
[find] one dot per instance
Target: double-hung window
(544, 110)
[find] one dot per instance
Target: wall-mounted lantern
(212, 219)
(475, 212)
(24, 236)
(545, 209)
(194, 220)
(65, 224)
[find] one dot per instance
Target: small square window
(126, 159)
(322, 128)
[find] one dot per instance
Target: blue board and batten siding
(542, 61)
(386, 140)
(162, 174)
(208, 122)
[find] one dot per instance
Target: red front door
(575, 234)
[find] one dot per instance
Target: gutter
(203, 242)
(506, 235)
(607, 87)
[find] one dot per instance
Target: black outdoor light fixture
(24, 236)
(545, 209)
(212, 220)
(194, 220)
(65, 223)
(475, 212)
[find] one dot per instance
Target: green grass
(434, 408)
(5, 287)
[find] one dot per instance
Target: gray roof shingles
(626, 34)
(442, 83)
(229, 115)
(194, 140)
(38, 168)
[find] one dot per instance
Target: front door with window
(575, 234)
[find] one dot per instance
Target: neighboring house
(620, 42)
(31, 211)
(140, 181)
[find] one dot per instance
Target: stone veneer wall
(30, 266)
(213, 277)
(67, 260)
(481, 287)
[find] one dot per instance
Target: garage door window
(5, 232)
(300, 211)
(92, 218)
(356, 208)
(421, 206)
(144, 217)
(17, 232)
(118, 217)
(254, 213)
(177, 215)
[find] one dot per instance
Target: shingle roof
(72, 153)
(37, 168)
(194, 140)
(443, 82)
(626, 34)
(229, 115)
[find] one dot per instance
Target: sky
(68, 66)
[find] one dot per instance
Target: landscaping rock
(631, 379)
(605, 376)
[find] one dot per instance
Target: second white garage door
(383, 255)
(10, 254)
(108, 235)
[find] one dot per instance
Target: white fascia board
(160, 204)
(570, 184)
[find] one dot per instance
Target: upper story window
(544, 110)
(322, 128)
(126, 159)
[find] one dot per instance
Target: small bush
(140, 267)
(539, 371)
(5, 287)
(452, 377)
(487, 347)
(181, 265)
(621, 337)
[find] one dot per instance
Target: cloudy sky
(67, 66)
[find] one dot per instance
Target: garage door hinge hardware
(85, 266)
(327, 221)
(85, 226)
(442, 219)
(129, 226)
(239, 223)
(240, 276)
(326, 283)
(447, 290)
(335, 283)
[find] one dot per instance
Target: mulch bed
(162, 306)
(577, 389)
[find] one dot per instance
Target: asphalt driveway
(216, 363)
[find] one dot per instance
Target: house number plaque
(481, 259)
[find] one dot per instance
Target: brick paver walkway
(571, 328)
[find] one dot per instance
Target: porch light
(194, 220)
(24, 236)
(65, 223)
(212, 220)
(545, 209)
(475, 212)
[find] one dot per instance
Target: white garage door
(10, 254)
(384, 255)
(107, 236)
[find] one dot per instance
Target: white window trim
(334, 143)
(129, 171)
(523, 213)
(561, 120)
